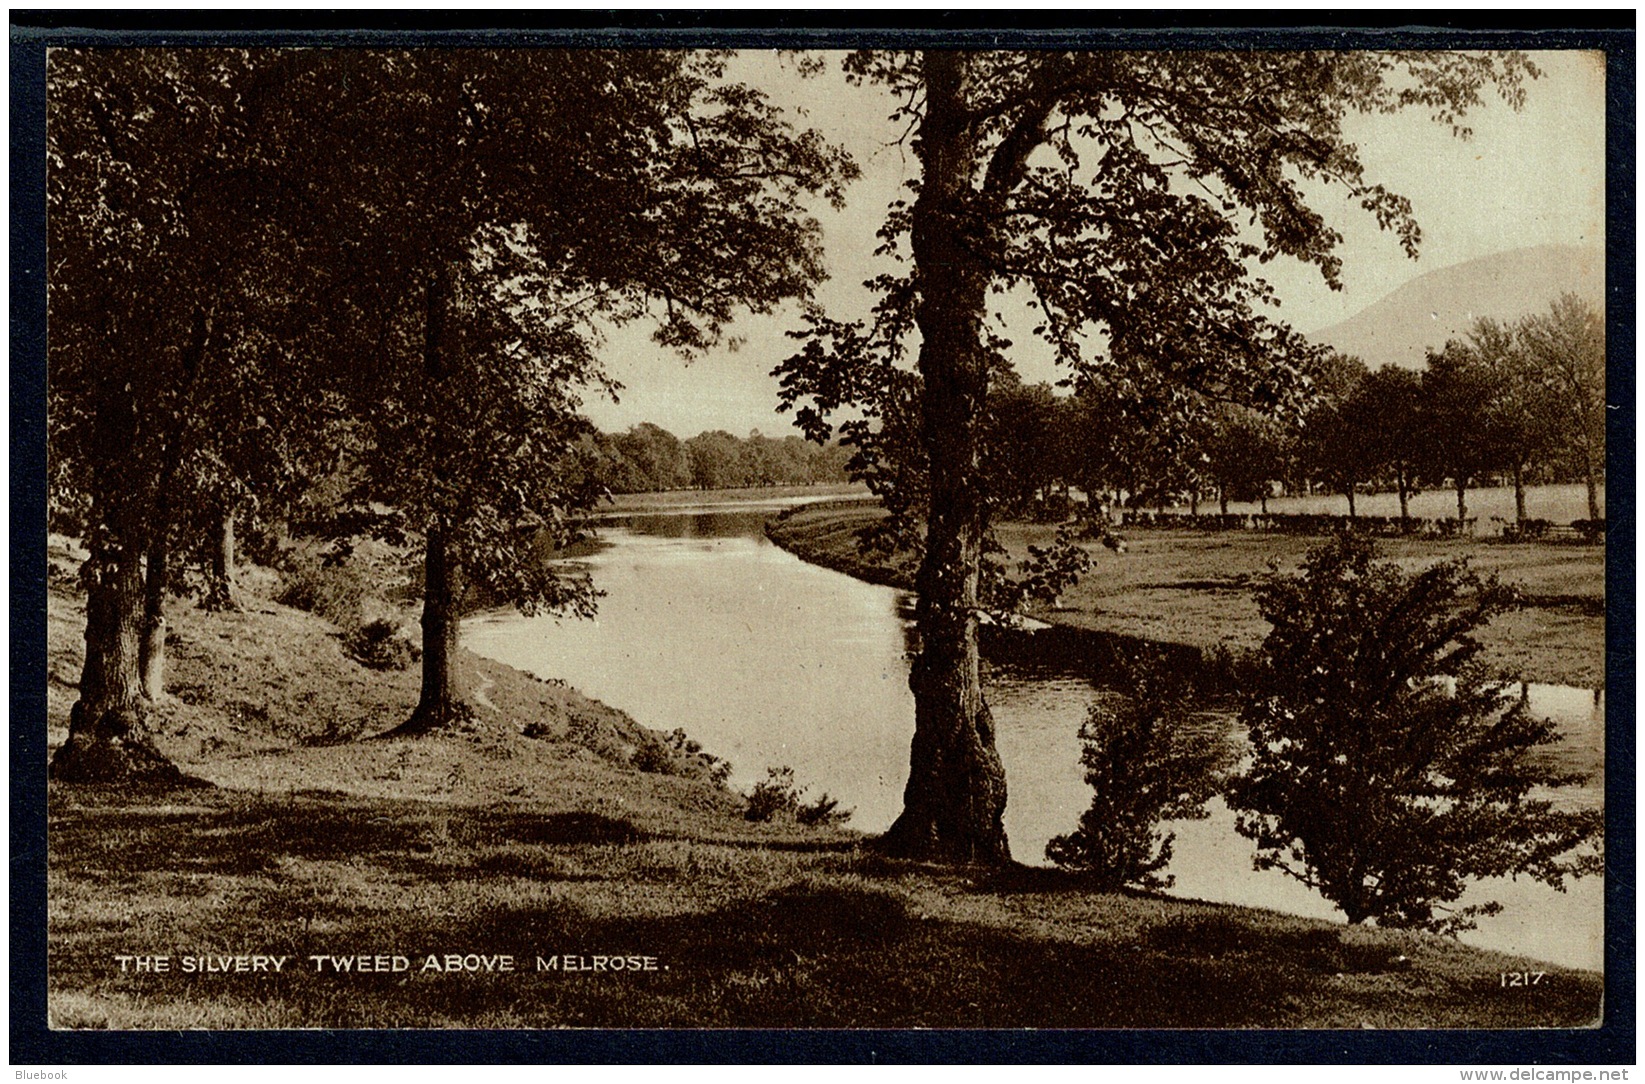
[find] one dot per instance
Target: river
(769, 661)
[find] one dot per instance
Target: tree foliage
(1564, 351)
(1388, 769)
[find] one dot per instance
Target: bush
(380, 645)
(778, 797)
(1144, 766)
(1591, 530)
(1389, 769)
(336, 592)
(675, 753)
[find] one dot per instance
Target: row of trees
(1521, 403)
(648, 458)
(389, 269)
(1516, 402)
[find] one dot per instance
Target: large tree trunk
(1519, 495)
(109, 739)
(152, 651)
(1404, 503)
(1353, 513)
(441, 702)
(1462, 504)
(1222, 499)
(954, 802)
(220, 592)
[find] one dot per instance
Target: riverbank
(1195, 589)
(535, 832)
(679, 499)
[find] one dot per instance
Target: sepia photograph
(1091, 535)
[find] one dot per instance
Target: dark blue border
(32, 32)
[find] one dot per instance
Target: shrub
(1591, 530)
(777, 796)
(1389, 768)
(675, 753)
(336, 592)
(380, 645)
(1144, 766)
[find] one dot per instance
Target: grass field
(533, 833)
(1195, 588)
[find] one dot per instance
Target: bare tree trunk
(1353, 513)
(1591, 477)
(1222, 499)
(954, 802)
(152, 650)
(1462, 502)
(1264, 497)
(220, 593)
(1404, 503)
(109, 740)
(1519, 495)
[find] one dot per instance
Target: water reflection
(768, 661)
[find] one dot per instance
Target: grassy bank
(1189, 588)
(555, 827)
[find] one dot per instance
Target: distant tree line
(648, 458)
(1511, 404)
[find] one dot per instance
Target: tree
(1523, 414)
(1020, 453)
(1566, 348)
(1458, 442)
(1388, 408)
(716, 459)
(1146, 763)
(1336, 437)
(567, 190)
(1113, 186)
(1243, 454)
(1388, 769)
(657, 455)
(163, 188)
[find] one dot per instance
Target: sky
(1524, 178)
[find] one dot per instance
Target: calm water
(770, 661)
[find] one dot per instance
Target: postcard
(1091, 534)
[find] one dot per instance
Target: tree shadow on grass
(813, 953)
(242, 834)
(236, 833)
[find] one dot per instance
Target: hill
(1445, 302)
